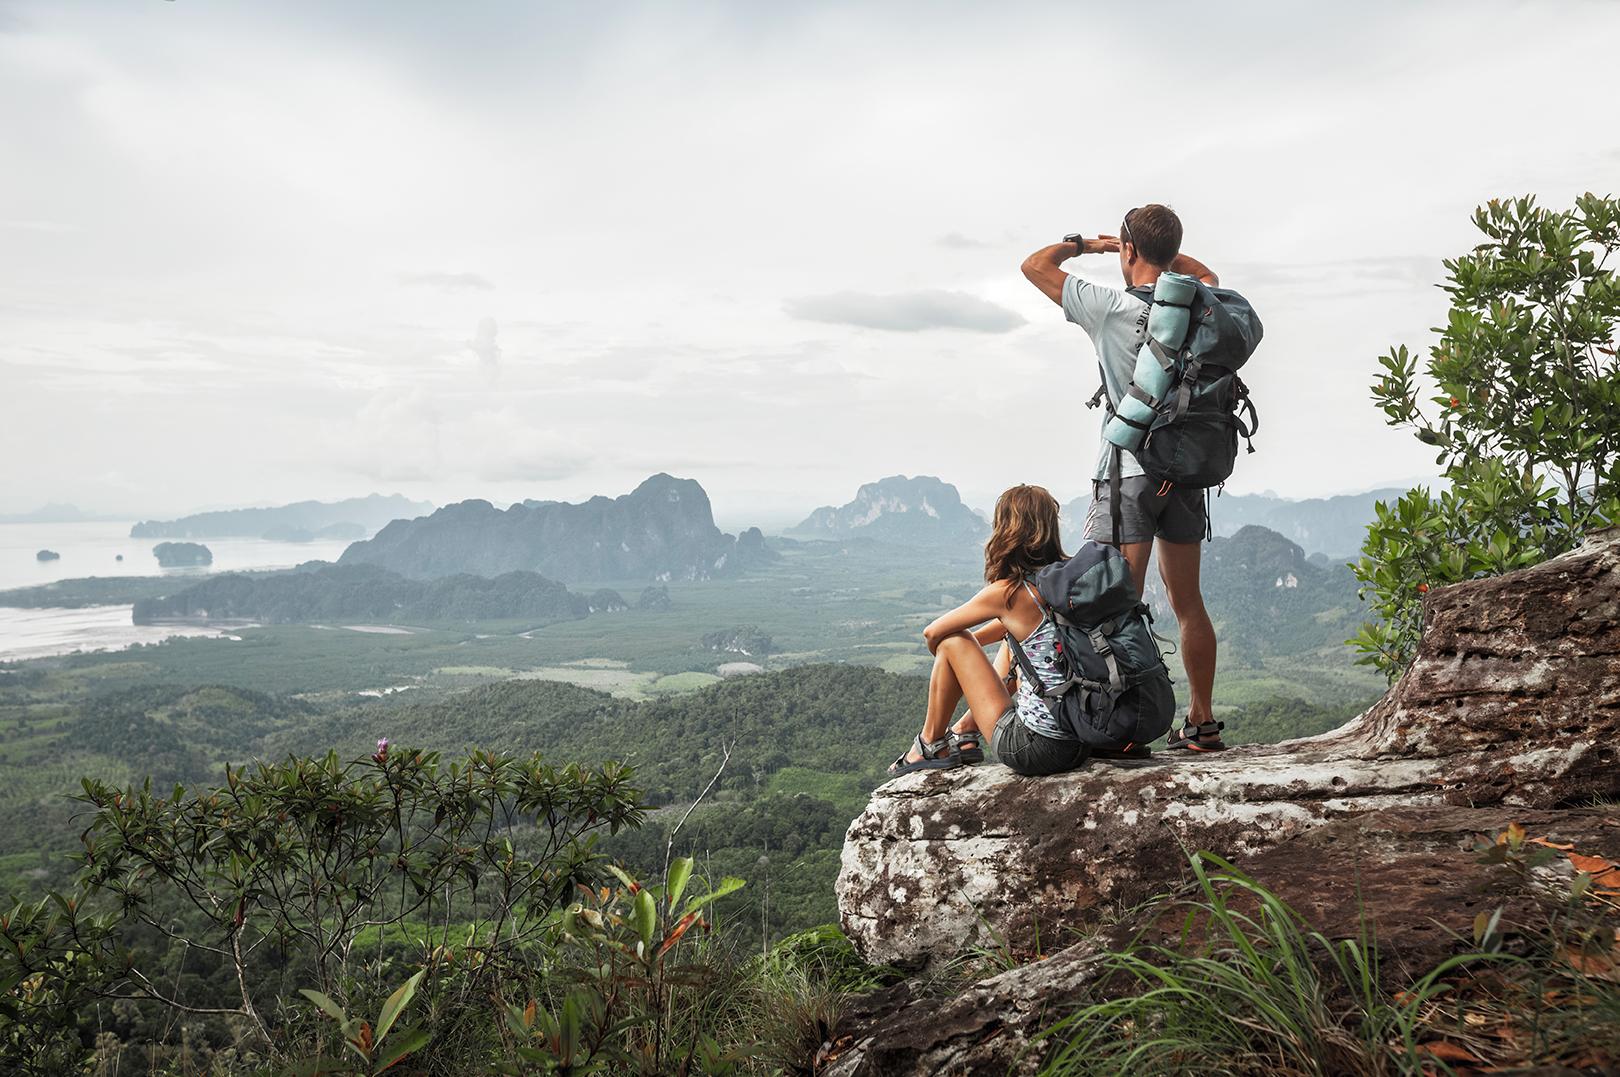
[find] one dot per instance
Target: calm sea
(92, 549)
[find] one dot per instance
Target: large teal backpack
(1185, 407)
(1115, 692)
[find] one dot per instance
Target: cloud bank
(774, 247)
(449, 282)
(907, 312)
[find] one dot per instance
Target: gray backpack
(1115, 692)
(1186, 433)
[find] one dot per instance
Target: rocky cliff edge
(1511, 713)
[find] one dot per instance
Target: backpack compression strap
(1099, 643)
(1252, 427)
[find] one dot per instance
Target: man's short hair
(1155, 232)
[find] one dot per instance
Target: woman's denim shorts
(1031, 753)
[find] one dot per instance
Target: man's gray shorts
(1176, 515)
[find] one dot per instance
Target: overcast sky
(259, 252)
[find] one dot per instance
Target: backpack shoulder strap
(1116, 510)
(1026, 669)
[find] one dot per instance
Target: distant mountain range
(663, 530)
(920, 511)
(303, 521)
(927, 511)
(1335, 526)
(55, 513)
(319, 591)
(1268, 597)
(1332, 526)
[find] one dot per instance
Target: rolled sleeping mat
(1168, 325)
(1172, 297)
(1122, 433)
(1168, 322)
(1176, 289)
(1150, 375)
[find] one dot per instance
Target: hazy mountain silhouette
(662, 530)
(921, 511)
(301, 521)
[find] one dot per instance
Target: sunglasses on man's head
(1125, 226)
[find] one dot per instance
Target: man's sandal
(935, 756)
(967, 747)
(1198, 738)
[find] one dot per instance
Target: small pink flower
(382, 749)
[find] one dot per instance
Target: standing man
(1148, 244)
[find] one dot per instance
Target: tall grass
(788, 1003)
(1249, 988)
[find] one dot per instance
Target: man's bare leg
(1137, 555)
(1178, 567)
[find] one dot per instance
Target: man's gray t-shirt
(1116, 321)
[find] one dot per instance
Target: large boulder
(1411, 875)
(1513, 702)
(1509, 715)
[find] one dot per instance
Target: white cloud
(485, 345)
(449, 282)
(907, 312)
(957, 241)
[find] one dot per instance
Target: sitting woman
(1023, 734)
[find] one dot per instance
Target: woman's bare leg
(968, 725)
(961, 671)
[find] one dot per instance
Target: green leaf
(679, 872)
(646, 917)
(624, 877)
(328, 1007)
(397, 1002)
(411, 1039)
(728, 885)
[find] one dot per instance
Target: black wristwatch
(1078, 240)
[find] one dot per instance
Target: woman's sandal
(1198, 738)
(958, 743)
(935, 756)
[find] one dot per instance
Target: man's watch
(1078, 240)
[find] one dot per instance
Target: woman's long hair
(1024, 537)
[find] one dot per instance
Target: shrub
(1526, 415)
(317, 873)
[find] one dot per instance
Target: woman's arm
(988, 603)
(992, 632)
